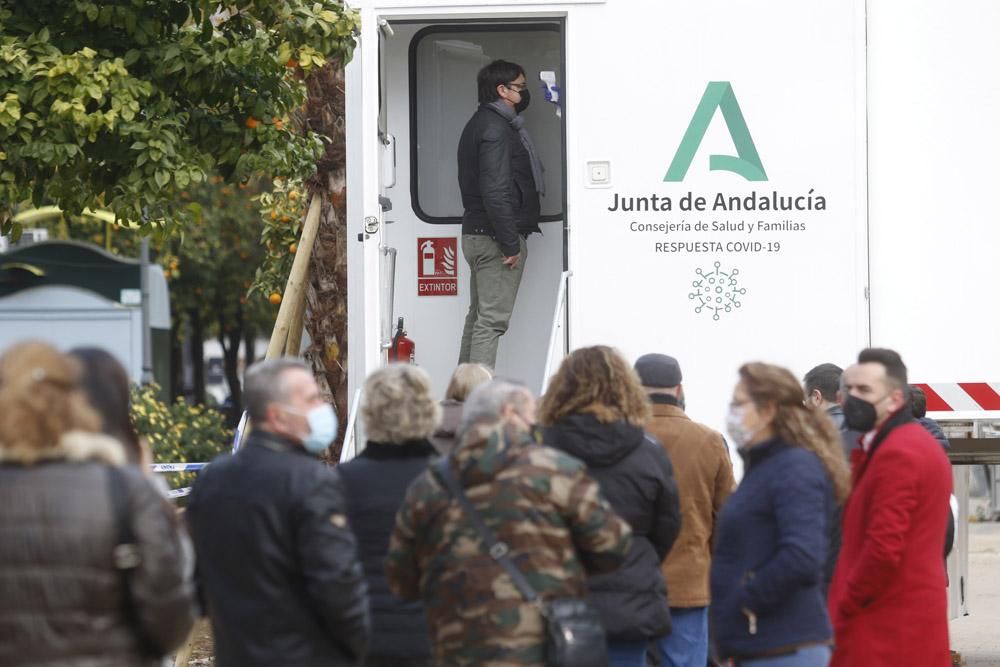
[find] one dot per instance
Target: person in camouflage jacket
(539, 501)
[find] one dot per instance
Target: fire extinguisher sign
(437, 266)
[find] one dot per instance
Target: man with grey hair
(276, 559)
(540, 503)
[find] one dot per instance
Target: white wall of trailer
(934, 101)
(797, 71)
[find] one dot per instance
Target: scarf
(517, 122)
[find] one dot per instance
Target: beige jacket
(704, 475)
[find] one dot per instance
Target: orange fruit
(274, 215)
(292, 63)
(275, 298)
(293, 194)
(251, 123)
(293, 247)
(277, 122)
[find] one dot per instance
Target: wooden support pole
(297, 322)
(296, 280)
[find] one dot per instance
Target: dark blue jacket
(376, 483)
(770, 552)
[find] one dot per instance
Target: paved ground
(977, 636)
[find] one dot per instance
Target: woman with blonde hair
(767, 579)
(399, 414)
(595, 409)
(70, 511)
(465, 378)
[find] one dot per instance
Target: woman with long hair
(70, 510)
(106, 384)
(768, 605)
(595, 409)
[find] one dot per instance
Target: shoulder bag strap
(498, 550)
(126, 554)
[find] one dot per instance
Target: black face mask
(525, 101)
(859, 414)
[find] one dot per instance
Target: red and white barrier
(962, 396)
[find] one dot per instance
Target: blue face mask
(322, 427)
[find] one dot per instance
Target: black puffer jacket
(498, 188)
(637, 478)
(276, 559)
(376, 483)
(62, 603)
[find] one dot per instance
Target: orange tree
(119, 104)
(211, 268)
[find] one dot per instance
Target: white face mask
(322, 427)
(734, 427)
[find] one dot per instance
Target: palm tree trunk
(326, 295)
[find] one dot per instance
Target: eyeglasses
(519, 86)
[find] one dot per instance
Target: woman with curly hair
(66, 496)
(768, 605)
(595, 409)
(399, 415)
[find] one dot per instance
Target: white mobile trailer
(785, 181)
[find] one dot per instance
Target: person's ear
(899, 399)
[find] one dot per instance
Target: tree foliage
(119, 104)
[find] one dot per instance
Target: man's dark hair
(498, 72)
(918, 401)
(895, 369)
(826, 379)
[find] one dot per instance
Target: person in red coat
(887, 599)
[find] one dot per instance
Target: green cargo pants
(492, 290)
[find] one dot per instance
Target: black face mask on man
(524, 102)
(859, 414)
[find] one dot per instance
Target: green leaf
(161, 177)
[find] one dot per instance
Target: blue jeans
(687, 643)
(810, 656)
(626, 654)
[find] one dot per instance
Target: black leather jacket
(494, 174)
(277, 560)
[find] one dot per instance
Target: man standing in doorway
(500, 176)
(887, 600)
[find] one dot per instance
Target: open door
(366, 203)
(429, 86)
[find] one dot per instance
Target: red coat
(887, 600)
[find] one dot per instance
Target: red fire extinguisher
(403, 348)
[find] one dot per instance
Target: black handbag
(574, 633)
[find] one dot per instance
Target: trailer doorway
(427, 94)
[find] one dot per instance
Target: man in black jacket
(276, 559)
(500, 176)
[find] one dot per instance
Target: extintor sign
(437, 266)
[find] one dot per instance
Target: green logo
(746, 162)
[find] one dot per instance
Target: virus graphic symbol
(717, 291)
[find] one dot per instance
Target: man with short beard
(887, 600)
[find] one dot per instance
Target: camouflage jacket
(542, 504)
